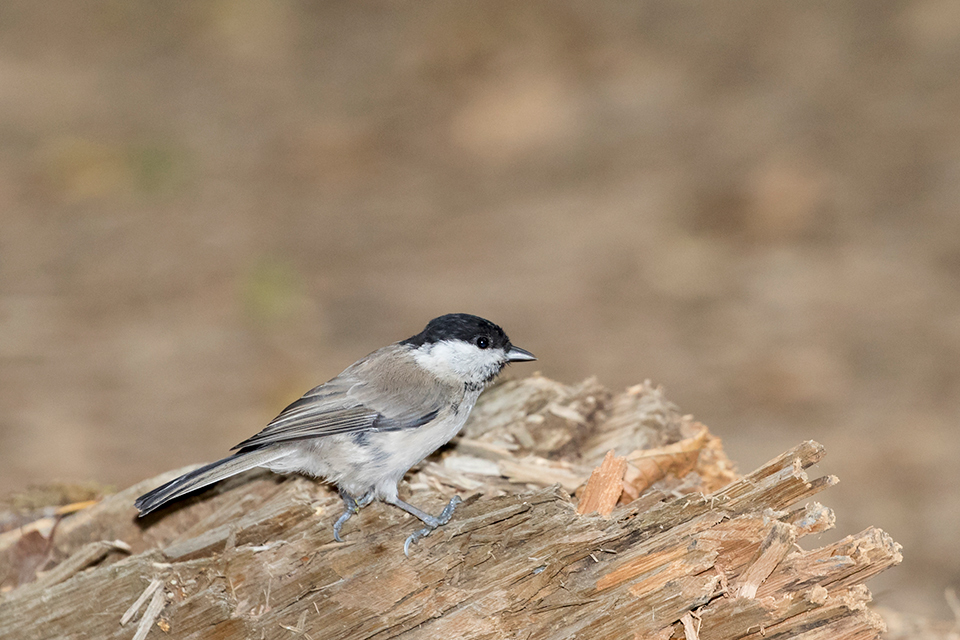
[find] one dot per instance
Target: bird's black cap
(461, 326)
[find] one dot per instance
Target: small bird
(364, 429)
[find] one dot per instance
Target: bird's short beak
(516, 354)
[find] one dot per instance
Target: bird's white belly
(374, 460)
(409, 446)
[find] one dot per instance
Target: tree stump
(668, 543)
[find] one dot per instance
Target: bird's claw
(338, 525)
(414, 537)
(350, 507)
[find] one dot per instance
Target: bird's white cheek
(460, 361)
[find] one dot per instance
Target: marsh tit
(364, 429)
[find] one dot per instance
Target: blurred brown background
(208, 207)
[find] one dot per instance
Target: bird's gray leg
(350, 506)
(432, 522)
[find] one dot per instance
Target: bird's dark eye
(482, 342)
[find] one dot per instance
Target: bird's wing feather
(365, 397)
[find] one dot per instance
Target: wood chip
(487, 450)
(542, 472)
(135, 607)
(74, 507)
(471, 464)
(604, 486)
(775, 547)
(89, 554)
(150, 615)
(647, 466)
(691, 628)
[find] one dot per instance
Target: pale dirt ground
(207, 208)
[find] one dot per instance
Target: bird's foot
(350, 506)
(432, 523)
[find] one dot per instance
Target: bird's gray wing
(365, 397)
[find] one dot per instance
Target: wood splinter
(604, 486)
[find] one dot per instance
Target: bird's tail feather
(204, 476)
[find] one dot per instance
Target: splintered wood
(647, 466)
(604, 486)
(698, 554)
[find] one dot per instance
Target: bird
(365, 428)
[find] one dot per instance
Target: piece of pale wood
(604, 486)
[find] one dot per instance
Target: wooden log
(704, 555)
